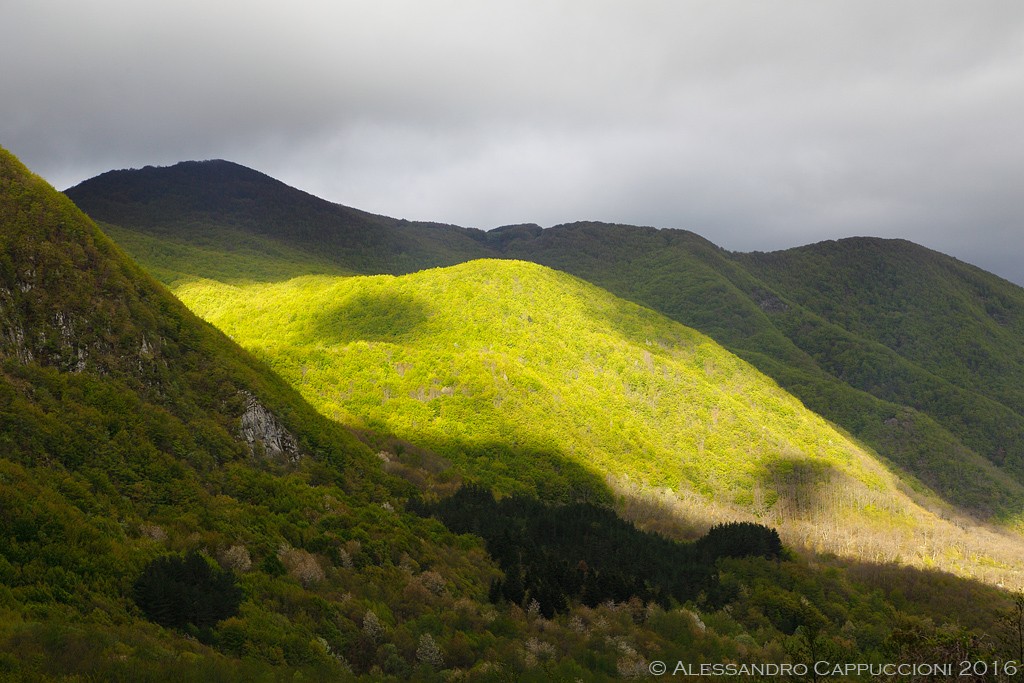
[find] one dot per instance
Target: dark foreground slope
(130, 431)
(916, 354)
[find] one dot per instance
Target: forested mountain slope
(928, 375)
(962, 442)
(960, 324)
(531, 381)
(137, 438)
(131, 431)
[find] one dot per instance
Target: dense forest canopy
(172, 508)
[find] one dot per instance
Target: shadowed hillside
(950, 325)
(191, 201)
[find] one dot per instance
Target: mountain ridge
(929, 423)
(193, 194)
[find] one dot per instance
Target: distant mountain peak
(187, 199)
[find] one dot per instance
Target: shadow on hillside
(440, 468)
(924, 593)
(941, 595)
(799, 485)
(370, 315)
(786, 489)
(219, 254)
(518, 462)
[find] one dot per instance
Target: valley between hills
(418, 451)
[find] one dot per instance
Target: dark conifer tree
(177, 592)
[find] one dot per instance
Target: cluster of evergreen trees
(557, 554)
(180, 592)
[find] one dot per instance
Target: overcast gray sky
(757, 124)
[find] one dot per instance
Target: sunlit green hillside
(528, 379)
(915, 354)
(834, 324)
(497, 358)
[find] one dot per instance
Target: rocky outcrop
(769, 302)
(265, 434)
(12, 332)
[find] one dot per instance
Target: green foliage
(220, 253)
(531, 382)
(120, 425)
(945, 336)
(740, 539)
(899, 345)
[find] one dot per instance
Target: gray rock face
(770, 303)
(12, 331)
(263, 432)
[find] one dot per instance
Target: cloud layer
(757, 125)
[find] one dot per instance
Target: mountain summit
(194, 198)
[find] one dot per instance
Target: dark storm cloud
(759, 125)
